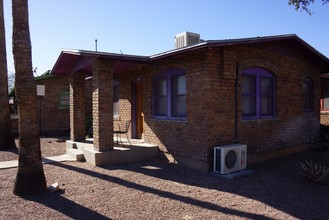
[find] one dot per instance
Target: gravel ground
(49, 147)
(159, 190)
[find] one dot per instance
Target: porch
(137, 151)
(102, 101)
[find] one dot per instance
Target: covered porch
(101, 69)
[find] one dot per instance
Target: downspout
(236, 118)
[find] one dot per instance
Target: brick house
(263, 92)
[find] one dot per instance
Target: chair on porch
(122, 130)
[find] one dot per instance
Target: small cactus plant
(313, 172)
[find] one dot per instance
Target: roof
(45, 75)
(81, 60)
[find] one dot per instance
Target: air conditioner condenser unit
(230, 158)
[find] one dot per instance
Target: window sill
(63, 107)
(259, 120)
(182, 120)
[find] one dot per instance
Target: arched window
(308, 96)
(258, 93)
(169, 94)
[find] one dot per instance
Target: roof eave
(179, 51)
(109, 56)
(61, 67)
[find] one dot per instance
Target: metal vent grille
(231, 159)
(218, 159)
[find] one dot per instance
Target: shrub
(313, 172)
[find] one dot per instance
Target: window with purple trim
(307, 95)
(258, 93)
(169, 95)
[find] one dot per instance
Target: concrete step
(76, 154)
(120, 155)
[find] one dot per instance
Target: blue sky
(147, 27)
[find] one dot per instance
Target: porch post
(103, 105)
(77, 106)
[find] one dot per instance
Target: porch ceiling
(78, 60)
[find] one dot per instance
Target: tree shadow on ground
(277, 183)
(67, 207)
(161, 193)
(13, 150)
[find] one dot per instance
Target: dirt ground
(156, 189)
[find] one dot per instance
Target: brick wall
(77, 106)
(102, 105)
(292, 126)
(55, 119)
(210, 80)
(324, 113)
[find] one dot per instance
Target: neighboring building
(54, 100)
(263, 92)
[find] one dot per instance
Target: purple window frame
(259, 73)
(167, 75)
(309, 95)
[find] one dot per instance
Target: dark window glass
(248, 95)
(258, 94)
(160, 97)
(169, 95)
(307, 95)
(178, 96)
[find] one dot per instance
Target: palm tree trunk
(6, 137)
(30, 177)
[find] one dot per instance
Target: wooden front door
(139, 109)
